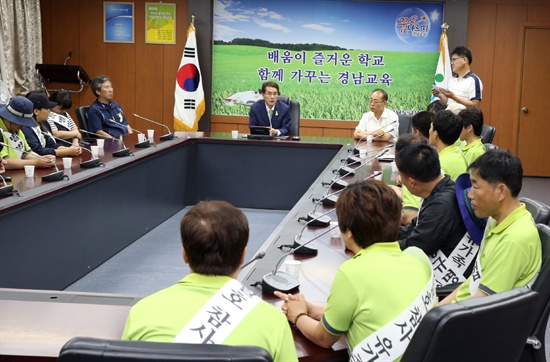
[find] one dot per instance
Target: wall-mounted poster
(160, 23)
(328, 55)
(119, 22)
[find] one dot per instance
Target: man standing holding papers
(464, 87)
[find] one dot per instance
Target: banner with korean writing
(328, 55)
(189, 103)
(160, 23)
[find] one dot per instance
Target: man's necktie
(270, 114)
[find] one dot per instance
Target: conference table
(53, 233)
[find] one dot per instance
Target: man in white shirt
(464, 87)
(379, 120)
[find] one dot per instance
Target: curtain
(21, 45)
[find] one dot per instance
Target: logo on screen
(413, 25)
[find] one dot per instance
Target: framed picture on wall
(160, 23)
(118, 22)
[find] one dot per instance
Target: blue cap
(19, 111)
(474, 225)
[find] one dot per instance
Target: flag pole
(443, 71)
(189, 102)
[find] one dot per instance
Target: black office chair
(490, 146)
(84, 349)
(492, 328)
(534, 349)
(81, 117)
(487, 133)
(294, 115)
(539, 210)
(405, 123)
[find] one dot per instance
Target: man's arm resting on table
(38, 162)
(103, 133)
(315, 332)
(67, 134)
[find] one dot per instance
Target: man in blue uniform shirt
(105, 117)
(270, 112)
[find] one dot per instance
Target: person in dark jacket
(40, 141)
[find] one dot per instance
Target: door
(534, 112)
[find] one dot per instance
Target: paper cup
(234, 134)
(362, 152)
(394, 167)
(150, 133)
(29, 171)
(293, 267)
(67, 162)
(369, 138)
(100, 143)
(95, 151)
(141, 137)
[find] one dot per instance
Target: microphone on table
(92, 162)
(337, 183)
(352, 159)
(166, 137)
(54, 176)
(281, 281)
(258, 256)
(6, 189)
(125, 151)
(330, 199)
(356, 149)
(298, 244)
(346, 170)
(315, 219)
(143, 144)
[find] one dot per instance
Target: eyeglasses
(375, 101)
(271, 94)
(455, 59)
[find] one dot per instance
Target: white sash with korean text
(39, 135)
(451, 269)
(476, 278)
(15, 142)
(63, 120)
(219, 316)
(390, 341)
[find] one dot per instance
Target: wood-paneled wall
(143, 75)
(495, 37)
